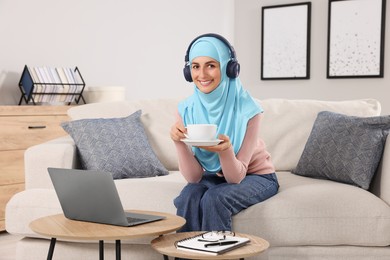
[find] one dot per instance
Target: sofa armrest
(380, 185)
(59, 153)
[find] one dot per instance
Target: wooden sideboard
(20, 128)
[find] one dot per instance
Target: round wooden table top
(166, 246)
(58, 226)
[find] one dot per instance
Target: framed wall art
(356, 38)
(285, 41)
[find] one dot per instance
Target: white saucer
(201, 142)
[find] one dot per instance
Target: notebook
(198, 244)
(92, 196)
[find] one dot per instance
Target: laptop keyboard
(134, 220)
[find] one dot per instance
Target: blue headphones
(232, 68)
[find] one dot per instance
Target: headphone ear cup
(187, 73)
(233, 69)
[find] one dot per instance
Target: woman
(226, 178)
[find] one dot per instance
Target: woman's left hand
(225, 144)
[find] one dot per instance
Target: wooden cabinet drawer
(22, 127)
(21, 132)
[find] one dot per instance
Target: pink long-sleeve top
(252, 158)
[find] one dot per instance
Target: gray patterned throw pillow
(116, 145)
(344, 148)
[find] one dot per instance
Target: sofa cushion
(286, 124)
(116, 145)
(308, 211)
(158, 115)
(344, 148)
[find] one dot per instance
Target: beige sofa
(308, 218)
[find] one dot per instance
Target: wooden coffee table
(166, 246)
(58, 226)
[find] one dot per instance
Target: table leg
(51, 248)
(101, 249)
(118, 249)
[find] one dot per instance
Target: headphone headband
(219, 37)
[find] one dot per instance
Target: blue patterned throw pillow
(344, 148)
(116, 145)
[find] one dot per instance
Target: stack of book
(55, 84)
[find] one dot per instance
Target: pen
(207, 240)
(225, 243)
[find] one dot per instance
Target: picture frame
(285, 41)
(356, 38)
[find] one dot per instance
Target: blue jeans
(210, 204)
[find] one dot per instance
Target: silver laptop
(92, 196)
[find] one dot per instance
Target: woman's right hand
(177, 131)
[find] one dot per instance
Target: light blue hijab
(229, 106)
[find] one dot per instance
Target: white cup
(201, 131)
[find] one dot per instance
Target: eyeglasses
(215, 236)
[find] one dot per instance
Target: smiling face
(206, 73)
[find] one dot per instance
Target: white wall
(247, 45)
(141, 45)
(136, 44)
